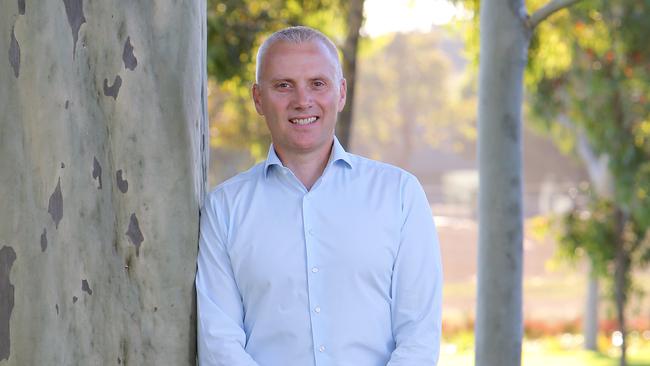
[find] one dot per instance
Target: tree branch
(597, 164)
(547, 10)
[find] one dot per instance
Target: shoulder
(392, 180)
(235, 185)
(385, 172)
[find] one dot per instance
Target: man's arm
(221, 338)
(416, 284)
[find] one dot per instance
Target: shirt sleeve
(221, 338)
(416, 286)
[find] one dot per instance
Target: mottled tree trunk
(350, 49)
(102, 169)
(504, 43)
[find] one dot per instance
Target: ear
(257, 98)
(342, 94)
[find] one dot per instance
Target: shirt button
(321, 348)
(317, 309)
(315, 269)
(311, 232)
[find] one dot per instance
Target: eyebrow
(273, 81)
(317, 77)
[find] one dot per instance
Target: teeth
(303, 121)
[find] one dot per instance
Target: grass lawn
(550, 351)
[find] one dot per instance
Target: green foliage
(591, 67)
(599, 84)
(236, 28)
(590, 231)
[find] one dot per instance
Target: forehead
(304, 59)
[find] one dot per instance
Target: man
(315, 256)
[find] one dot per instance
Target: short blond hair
(297, 35)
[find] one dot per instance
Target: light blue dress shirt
(345, 274)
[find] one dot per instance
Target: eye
(282, 85)
(319, 83)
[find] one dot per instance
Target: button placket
(313, 282)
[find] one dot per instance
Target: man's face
(299, 94)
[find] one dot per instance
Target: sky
(384, 16)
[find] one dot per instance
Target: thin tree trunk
(350, 50)
(591, 312)
(602, 181)
(102, 171)
(621, 267)
(504, 43)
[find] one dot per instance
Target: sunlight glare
(407, 15)
(617, 339)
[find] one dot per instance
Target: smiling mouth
(303, 121)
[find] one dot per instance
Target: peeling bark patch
(21, 7)
(111, 91)
(7, 258)
(74, 299)
(124, 351)
(62, 165)
(130, 61)
(44, 240)
(97, 172)
(135, 234)
(122, 184)
(55, 207)
(129, 265)
(511, 127)
(75, 11)
(85, 287)
(57, 309)
(67, 103)
(14, 54)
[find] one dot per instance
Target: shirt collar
(338, 153)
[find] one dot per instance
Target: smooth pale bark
(504, 39)
(102, 171)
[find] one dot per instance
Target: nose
(302, 98)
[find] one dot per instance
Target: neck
(307, 167)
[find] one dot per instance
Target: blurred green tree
(591, 72)
(236, 28)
